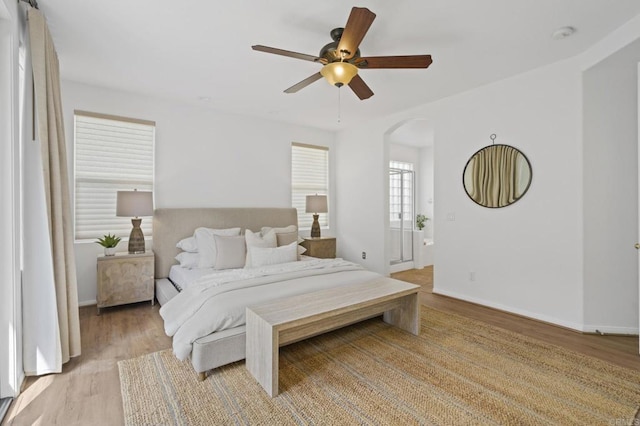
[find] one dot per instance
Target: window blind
(111, 154)
(309, 176)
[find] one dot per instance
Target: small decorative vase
(109, 251)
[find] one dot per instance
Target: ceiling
(199, 52)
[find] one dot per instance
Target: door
(401, 211)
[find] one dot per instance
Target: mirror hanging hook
(493, 138)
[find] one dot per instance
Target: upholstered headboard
(172, 225)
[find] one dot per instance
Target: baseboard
(399, 267)
(87, 303)
(520, 312)
(606, 329)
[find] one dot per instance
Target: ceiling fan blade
(357, 26)
(288, 53)
(413, 61)
(360, 88)
(304, 83)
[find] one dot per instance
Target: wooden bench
(289, 320)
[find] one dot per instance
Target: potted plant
(109, 242)
(420, 221)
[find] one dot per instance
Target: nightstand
(323, 247)
(125, 278)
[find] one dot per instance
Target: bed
(228, 344)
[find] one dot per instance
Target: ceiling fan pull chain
(339, 104)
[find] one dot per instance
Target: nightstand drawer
(322, 247)
(125, 278)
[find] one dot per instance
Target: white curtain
(51, 333)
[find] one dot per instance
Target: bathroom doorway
(401, 208)
(410, 192)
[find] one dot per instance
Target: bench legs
(406, 316)
(262, 352)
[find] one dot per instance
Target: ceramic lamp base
(136, 238)
(315, 227)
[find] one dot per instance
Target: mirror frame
(528, 163)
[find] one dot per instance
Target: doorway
(401, 208)
(410, 192)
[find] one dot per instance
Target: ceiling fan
(341, 58)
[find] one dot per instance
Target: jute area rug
(457, 372)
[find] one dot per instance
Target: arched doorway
(409, 157)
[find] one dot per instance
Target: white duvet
(217, 301)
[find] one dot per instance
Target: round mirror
(497, 176)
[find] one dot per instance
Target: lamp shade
(316, 204)
(134, 203)
(339, 73)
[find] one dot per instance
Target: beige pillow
(284, 236)
(207, 245)
(231, 252)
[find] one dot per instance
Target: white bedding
(183, 277)
(217, 301)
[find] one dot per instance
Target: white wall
(610, 129)
(204, 158)
(362, 217)
(526, 257)
(404, 153)
(426, 188)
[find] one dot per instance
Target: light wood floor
(621, 350)
(88, 390)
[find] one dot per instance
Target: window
(309, 176)
(111, 154)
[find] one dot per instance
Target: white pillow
(188, 260)
(301, 249)
(188, 245)
(284, 236)
(207, 244)
(263, 256)
(255, 239)
(231, 252)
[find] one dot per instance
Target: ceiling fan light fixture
(339, 73)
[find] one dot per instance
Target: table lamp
(135, 204)
(316, 204)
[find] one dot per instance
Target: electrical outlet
(472, 276)
(364, 254)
